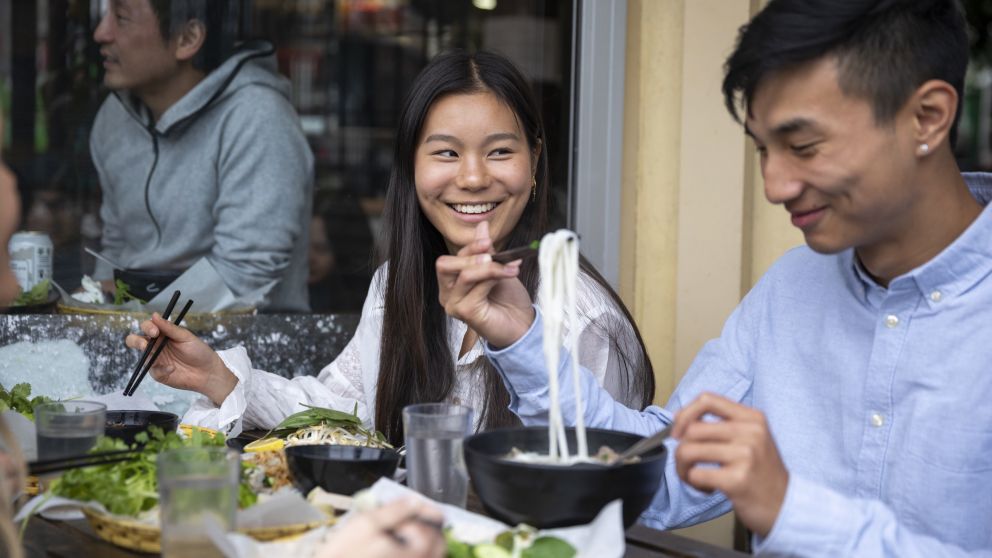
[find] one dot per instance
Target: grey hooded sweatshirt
(225, 173)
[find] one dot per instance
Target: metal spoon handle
(644, 445)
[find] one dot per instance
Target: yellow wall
(696, 231)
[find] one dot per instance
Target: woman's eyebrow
(491, 138)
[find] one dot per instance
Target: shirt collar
(954, 270)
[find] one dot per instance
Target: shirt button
(456, 401)
(877, 420)
(936, 296)
(891, 321)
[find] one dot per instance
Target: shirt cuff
(228, 417)
(523, 361)
(813, 520)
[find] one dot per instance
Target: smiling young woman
(469, 150)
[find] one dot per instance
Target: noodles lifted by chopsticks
(559, 264)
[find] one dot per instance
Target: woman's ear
(934, 106)
(190, 40)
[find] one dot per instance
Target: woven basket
(126, 533)
(144, 537)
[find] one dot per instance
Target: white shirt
(262, 399)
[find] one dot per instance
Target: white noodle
(559, 264)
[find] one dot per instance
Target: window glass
(349, 63)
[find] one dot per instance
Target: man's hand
(749, 468)
(486, 295)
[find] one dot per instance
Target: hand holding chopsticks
(185, 362)
(156, 344)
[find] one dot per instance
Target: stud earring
(533, 189)
(924, 149)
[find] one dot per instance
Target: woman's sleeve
(262, 399)
(608, 346)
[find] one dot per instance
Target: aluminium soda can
(31, 258)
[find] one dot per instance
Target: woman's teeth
(473, 208)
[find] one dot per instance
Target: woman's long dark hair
(416, 362)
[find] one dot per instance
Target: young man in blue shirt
(850, 388)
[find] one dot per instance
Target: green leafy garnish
(19, 399)
(331, 418)
(122, 293)
(521, 541)
(131, 487)
(37, 295)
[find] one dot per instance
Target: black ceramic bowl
(146, 283)
(339, 469)
(125, 425)
(547, 496)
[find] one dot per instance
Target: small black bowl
(339, 469)
(147, 283)
(125, 425)
(548, 496)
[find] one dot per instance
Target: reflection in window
(349, 62)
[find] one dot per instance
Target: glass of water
(198, 495)
(68, 428)
(434, 461)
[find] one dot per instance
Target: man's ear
(934, 106)
(190, 40)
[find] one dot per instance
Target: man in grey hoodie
(199, 156)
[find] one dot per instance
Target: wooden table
(75, 539)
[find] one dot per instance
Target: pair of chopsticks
(513, 254)
(158, 344)
(88, 460)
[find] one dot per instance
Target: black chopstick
(519, 253)
(85, 460)
(158, 350)
(151, 344)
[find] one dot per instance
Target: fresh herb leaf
(131, 487)
(122, 293)
(548, 547)
(37, 295)
(17, 399)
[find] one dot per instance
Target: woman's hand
(186, 362)
(486, 295)
(406, 528)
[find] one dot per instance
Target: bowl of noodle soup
(547, 495)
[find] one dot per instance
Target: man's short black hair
(215, 15)
(885, 49)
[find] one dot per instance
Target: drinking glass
(198, 497)
(434, 461)
(68, 428)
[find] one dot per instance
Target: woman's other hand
(484, 294)
(186, 362)
(406, 528)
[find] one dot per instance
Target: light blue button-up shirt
(880, 400)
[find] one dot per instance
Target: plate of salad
(41, 299)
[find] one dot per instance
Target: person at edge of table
(393, 530)
(200, 154)
(469, 148)
(844, 409)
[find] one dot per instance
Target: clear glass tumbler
(68, 428)
(435, 465)
(198, 496)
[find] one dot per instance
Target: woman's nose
(472, 174)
